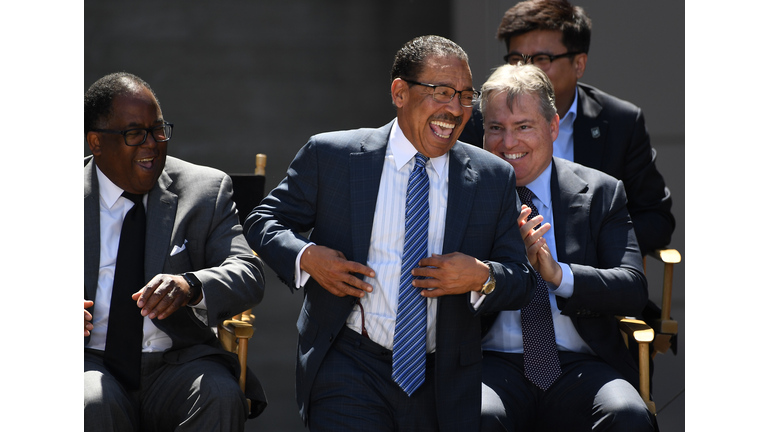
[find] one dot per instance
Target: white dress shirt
(563, 145)
(387, 238)
(506, 334)
(112, 210)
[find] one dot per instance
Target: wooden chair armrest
(665, 324)
(643, 334)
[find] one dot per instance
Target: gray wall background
(244, 77)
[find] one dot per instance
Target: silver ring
(170, 295)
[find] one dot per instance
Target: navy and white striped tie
(410, 345)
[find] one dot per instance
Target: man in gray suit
(352, 189)
(560, 363)
(165, 262)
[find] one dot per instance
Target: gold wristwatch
(490, 284)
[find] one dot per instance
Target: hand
(88, 317)
(450, 274)
(536, 247)
(164, 295)
(333, 272)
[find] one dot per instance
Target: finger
(523, 215)
(538, 233)
(427, 272)
(356, 267)
(340, 289)
(146, 291)
(355, 283)
(157, 295)
(434, 261)
(432, 293)
(172, 302)
(87, 304)
(88, 316)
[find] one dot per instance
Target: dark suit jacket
(594, 235)
(331, 187)
(192, 203)
(609, 135)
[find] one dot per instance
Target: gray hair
(518, 80)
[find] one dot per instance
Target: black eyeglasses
(542, 60)
(137, 136)
(445, 94)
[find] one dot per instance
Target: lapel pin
(595, 132)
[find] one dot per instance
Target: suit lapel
(92, 230)
(161, 214)
(589, 132)
(462, 181)
(365, 170)
(570, 207)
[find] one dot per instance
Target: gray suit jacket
(192, 203)
(595, 236)
(331, 188)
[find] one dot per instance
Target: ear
(554, 127)
(399, 92)
(580, 63)
(93, 143)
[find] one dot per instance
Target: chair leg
(645, 378)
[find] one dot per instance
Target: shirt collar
(570, 116)
(540, 186)
(108, 191)
(404, 151)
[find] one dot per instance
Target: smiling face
(134, 169)
(523, 138)
(433, 127)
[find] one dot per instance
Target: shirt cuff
(201, 310)
(301, 277)
(565, 289)
(476, 298)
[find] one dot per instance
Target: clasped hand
(536, 247)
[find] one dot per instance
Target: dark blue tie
(542, 365)
(122, 354)
(410, 345)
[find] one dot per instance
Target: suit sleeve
(515, 277)
(650, 201)
(273, 229)
(616, 285)
(233, 277)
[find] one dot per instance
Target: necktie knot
(421, 161)
(526, 196)
(136, 198)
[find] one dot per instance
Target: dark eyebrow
(136, 125)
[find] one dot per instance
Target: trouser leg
(107, 406)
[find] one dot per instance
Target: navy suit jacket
(192, 204)
(331, 188)
(595, 236)
(609, 135)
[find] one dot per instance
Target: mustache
(448, 118)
